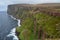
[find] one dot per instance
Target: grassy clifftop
(38, 22)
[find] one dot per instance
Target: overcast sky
(4, 3)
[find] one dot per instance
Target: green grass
(47, 22)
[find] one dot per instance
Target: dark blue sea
(7, 26)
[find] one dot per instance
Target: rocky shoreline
(14, 29)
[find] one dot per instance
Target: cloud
(6, 2)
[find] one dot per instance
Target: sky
(5, 3)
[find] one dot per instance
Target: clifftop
(37, 5)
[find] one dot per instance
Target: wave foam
(12, 33)
(18, 22)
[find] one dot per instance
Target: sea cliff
(38, 21)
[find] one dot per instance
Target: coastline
(13, 31)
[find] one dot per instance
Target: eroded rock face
(51, 9)
(18, 8)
